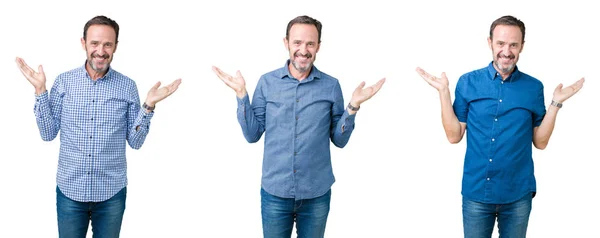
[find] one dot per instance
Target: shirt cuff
(42, 98)
(350, 119)
(145, 117)
(243, 101)
(243, 105)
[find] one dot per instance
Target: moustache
(505, 56)
(99, 56)
(308, 55)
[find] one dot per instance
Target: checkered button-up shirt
(94, 118)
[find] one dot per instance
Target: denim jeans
(279, 214)
(74, 217)
(479, 218)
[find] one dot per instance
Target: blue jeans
(479, 218)
(74, 217)
(279, 214)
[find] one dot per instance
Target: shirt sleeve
(252, 116)
(47, 111)
(540, 108)
(138, 120)
(461, 105)
(342, 123)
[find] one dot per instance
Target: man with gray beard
(97, 110)
(503, 109)
(300, 109)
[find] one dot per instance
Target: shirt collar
(511, 78)
(285, 72)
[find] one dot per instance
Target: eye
(94, 43)
(514, 45)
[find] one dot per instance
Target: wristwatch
(352, 107)
(149, 108)
(556, 104)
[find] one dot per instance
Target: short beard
(300, 69)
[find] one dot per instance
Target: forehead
(305, 32)
(507, 33)
(101, 33)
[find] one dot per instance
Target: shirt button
(490, 160)
(88, 172)
(500, 100)
(294, 171)
(493, 139)
(92, 119)
(90, 137)
(488, 179)
(295, 153)
(502, 82)
(89, 155)
(297, 100)
(495, 119)
(296, 118)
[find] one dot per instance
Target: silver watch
(556, 104)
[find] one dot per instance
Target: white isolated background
(398, 176)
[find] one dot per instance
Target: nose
(506, 49)
(303, 49)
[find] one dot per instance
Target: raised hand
(561, 94)
(440, 84)
(157, 94)
(362, 94)
(236, 83)
(37, 79)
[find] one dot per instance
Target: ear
(490, 43)
(82, 43)
(318, 47)
(285, 42)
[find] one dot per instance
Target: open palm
(37, 79)
(438, 83)
(362, 94)
(561, 94)
(157, 94)
(237, 83)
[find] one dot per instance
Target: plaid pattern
(95, 119)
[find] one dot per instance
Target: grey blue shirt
(298, 118)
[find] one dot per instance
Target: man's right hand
(441, 84)
(37, 79)
(237, 83)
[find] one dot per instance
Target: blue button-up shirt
(94, 118)
(500, 117)
(298, 119)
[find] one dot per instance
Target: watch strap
(149, 108)
(556, 104)
(352, 107)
